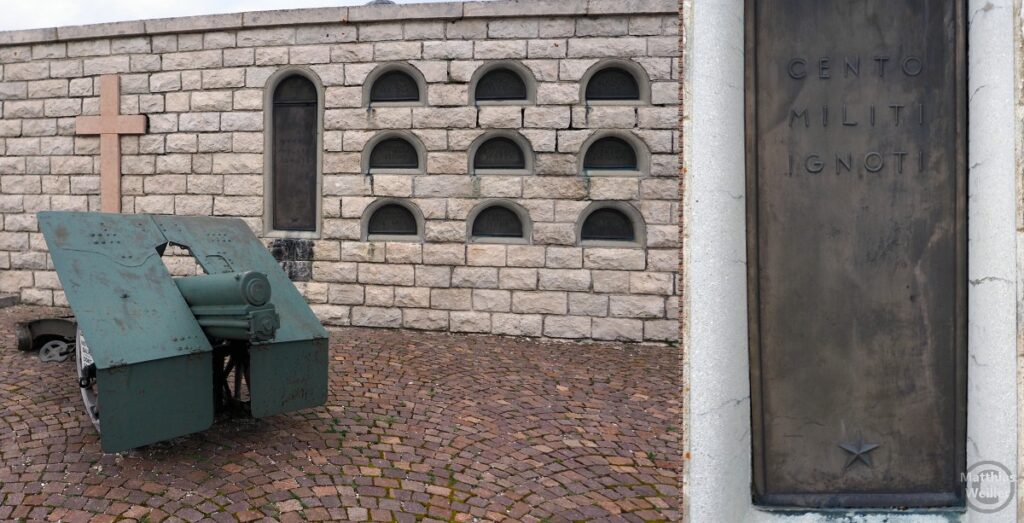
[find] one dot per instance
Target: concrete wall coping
(341, 15)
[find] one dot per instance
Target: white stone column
(715, 287)
(992, 210)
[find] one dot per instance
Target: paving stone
(417, 426)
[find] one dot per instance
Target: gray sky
(31, 14)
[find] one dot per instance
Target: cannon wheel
(32, 335)
(83, 359)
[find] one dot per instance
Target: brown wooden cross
(110, 125)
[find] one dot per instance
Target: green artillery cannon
(166, 354)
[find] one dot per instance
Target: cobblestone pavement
(418, 426)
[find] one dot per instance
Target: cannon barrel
(232, 305)
(229, 288)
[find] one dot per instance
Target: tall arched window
(294, 155)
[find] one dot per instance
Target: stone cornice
(341, 15)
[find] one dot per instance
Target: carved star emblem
(858, 452)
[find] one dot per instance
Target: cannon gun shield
(289, 372)
(152, 352)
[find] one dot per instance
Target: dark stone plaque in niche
(501, 84)
(612, 83)
(393, 220)
(499, 153)
(394, 86)
(295, 256)
(610, 153)
(856, 251)
(497, 222)
(608, 225)
(394, 153)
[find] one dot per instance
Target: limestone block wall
(201, 82)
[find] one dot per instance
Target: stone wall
(201, 82)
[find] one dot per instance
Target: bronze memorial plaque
(856, 218)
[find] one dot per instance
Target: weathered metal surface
(231, 305)
(154, 400)
(226, 288)
(856, 219)
(85, 371)
(56, 350)
(228, 245)
(287, 376)
(117, 285)
(299, 347)
(151, 348)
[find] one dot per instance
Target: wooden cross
(110, 125)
